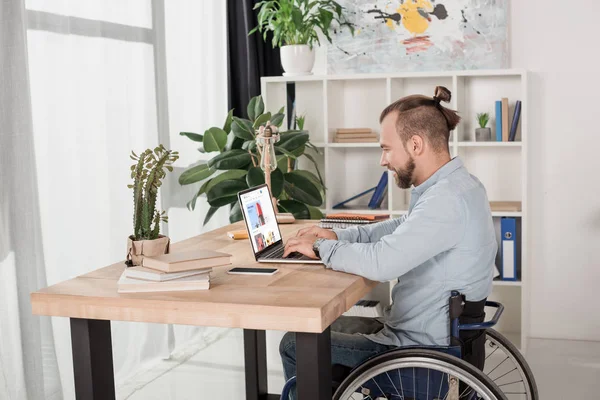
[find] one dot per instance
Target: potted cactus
(147, 173)
(483, 134)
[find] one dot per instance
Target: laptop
(263, 229)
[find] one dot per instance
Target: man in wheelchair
(446, 241)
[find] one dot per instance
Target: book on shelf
(187, 260)
(373, 139)
(353, 130)
(149, 274)
(506, 131)
(505, 206)
(132, 285)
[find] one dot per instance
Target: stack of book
(345, 220)
(180, 271)
(506, 130)
(355, 135)
(365, 308)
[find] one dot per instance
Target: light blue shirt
(445, 242)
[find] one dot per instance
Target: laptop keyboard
(278, 253)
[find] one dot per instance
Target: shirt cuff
(325, 249)
(343, 234)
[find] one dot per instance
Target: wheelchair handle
(487, 324)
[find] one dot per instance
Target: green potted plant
(294, 24)
(483, 134)
(236, 166)
(147, 173)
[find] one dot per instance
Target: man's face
(395, 156)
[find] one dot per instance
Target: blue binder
(508, 248)
(377, 197)
(498, 121)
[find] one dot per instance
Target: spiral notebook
(344, 220)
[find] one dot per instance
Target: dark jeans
(348, 348)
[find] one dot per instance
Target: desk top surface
(300, 297)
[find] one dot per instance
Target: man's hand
(301, 244)
(318, 232)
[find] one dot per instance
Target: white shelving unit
(330, 102)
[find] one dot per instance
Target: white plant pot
(297, 59)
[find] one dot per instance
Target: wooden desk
(301, 298)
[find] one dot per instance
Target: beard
(404, 176)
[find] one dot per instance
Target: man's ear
(416, 145)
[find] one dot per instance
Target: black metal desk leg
(255, 360)
(92, 359)
(313, 363)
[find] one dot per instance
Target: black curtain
(249, 57)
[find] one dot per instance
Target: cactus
(147, 173)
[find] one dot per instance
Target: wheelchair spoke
(511, 383)
(400, 379)
(376, 384)
(489, 373)
(496, 349)
(503, 375)
(441, 384)
(392, 382)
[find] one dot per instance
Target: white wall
(559, 46)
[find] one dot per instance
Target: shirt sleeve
(435, 225)
(368, 233)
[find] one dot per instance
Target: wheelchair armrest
(487, 324)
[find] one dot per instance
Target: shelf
(507, 214)
(507, 283)
(368, 144)
(489, 144)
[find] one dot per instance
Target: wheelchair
(480, 363)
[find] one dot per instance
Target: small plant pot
(483, 134)
(297, 59)
(138, 249)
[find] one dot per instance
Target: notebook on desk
(263, 228)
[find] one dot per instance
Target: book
(505, 205)
(130, 285)
(150, 274)
(356, 217)
(356, 140)
(505, 127)
(515, 122)
(498, 121)
(353, 130)
(187, 260)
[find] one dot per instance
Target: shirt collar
(441, 173)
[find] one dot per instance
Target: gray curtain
(20, 230)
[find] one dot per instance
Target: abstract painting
(420, 35)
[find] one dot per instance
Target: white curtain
(105, 78)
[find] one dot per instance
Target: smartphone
(253, 271)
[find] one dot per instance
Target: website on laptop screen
(260, 217)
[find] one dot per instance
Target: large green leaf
(194, 136)
(298, 209)
(225, 192)
(284, 151)
(310, 176)
(277, 119)
(233, 142)
(195, 174)
(293, 140)
(232, 159)
(228, 120)
(215, 139)
(232, 174)
(302, 188)
(256, 177)
(277, 181)
(235, 214)
(242, 128)
(261, 120)
(315, 213)
(211, 211)
(256, 107)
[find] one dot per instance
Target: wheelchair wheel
(505, 365)
(417, 374)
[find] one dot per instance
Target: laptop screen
(260, 217)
